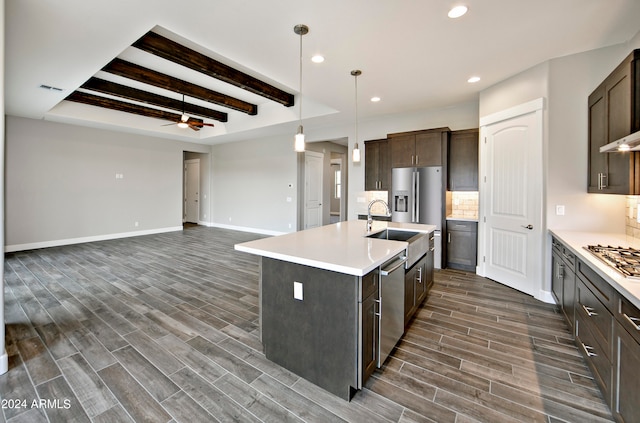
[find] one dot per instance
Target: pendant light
(356, 151)
(299, 142)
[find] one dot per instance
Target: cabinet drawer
(461, 225)
(569, 258)
(369, 284)
(592, 351)
(626, 399)
(600, 288)
(628, 316)
(594, 314)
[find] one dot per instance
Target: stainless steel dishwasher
(391, 313)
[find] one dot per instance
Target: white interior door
(313, 189)
(511, 198)
(192, 190)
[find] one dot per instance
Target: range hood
(629, 143)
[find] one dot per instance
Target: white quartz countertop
(576, 241)
(341, 247)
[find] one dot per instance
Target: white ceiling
(411, 54)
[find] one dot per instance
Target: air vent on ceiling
(50, 88)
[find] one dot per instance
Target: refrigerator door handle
(413, 195)
(416, 177)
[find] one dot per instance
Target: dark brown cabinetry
(626, 400)
(419, 148)
(607, 331)
(417, 282)
(563, 281)
(462, 244)
(371, 296)
(463, 160)
(377, 166)
(594, 325)
(614, 112)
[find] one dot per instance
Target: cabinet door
(569, 295)
(369, 335)
(384, 166)
(463, 161)
(626, 405)
(421, 282)
(557, 280)
(598, 164)
(428, 149)
(461, 245)
(371, 165)
(403, 149)
(409, 294)
(429, 268)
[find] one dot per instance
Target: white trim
(69, 241)
(245, 229)
(546, 297)
(521, 109)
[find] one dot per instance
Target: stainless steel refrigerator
(416, 197)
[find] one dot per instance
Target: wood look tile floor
(163, 328)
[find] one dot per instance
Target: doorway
(313, 175)
(191, 212)
(511, 224)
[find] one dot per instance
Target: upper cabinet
(377, 166)
(463, 160)
(614, 112)
(419, 148)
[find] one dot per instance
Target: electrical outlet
(560, 210)
(297, 290)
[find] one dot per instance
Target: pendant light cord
(301, 34)
(356, 98)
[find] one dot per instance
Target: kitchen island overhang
(311, 298)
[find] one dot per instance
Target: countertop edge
(336, 236)
(629, 289)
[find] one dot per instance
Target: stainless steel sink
(418, 242)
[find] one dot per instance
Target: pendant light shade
(356, 150)
(299, 140)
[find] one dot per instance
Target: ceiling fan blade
(169, 124)
(194, 127)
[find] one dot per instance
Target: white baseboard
(69, 241)
(546, 296)
(245, 229)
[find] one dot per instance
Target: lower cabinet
(626, 399)
(415, 288)
(370, 323)
(606, 328)
(462, 244)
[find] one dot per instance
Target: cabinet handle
(376, 313)
(588, 350)
(602, 180)
(589, 310)
(419, 277)
(449, 237)
(560, 271)
(633, 320)
(416, 159)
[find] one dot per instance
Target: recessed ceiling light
(317, 59)
(457, 11)
(375, 99)
(473, 79)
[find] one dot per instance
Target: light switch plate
(297, 290)
(560, 210)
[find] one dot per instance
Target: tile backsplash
(464, 204)
(631, 212)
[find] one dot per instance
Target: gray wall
(251, 182)
(61, 183)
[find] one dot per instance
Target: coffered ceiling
(125, 65)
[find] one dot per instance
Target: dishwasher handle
(393, 266)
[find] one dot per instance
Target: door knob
(530, 227)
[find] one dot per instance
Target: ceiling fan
(188, 122)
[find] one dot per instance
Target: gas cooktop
(624, 260)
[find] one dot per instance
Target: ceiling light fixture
(375, 99)
(473, 79)
(356, 151)
(299, 142)
(317, 58)
(184, 118)
(457, 11)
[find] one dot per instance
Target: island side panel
(315, 337)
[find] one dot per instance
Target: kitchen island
(321, 301)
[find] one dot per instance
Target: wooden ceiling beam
(141, 74)
(108, 87)
(177, 53)
(122, 106)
